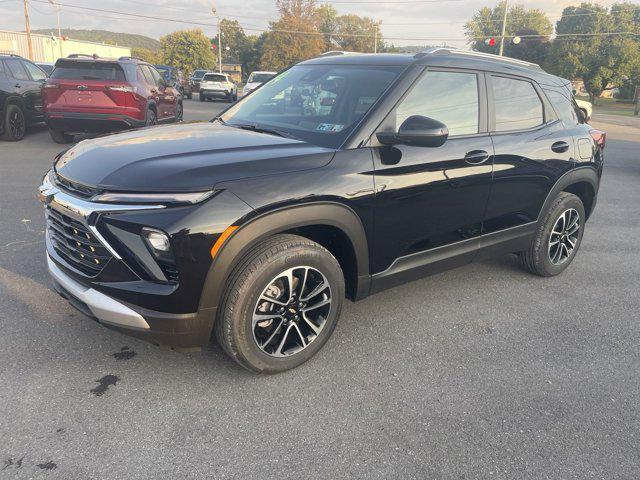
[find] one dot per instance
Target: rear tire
(201, 97)
(14, 124)
(557, 238)
(281, 337)
(61, 137)
(179, 112)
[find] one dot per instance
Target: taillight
(599, 136)
(51, 85)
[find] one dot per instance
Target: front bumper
(119, 295)
(94, 303)
(73, 122)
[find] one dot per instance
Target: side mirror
(418, 131)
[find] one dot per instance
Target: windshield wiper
(254, 127)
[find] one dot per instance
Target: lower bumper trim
(103, 307)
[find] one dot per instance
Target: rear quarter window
(516, 103)
(89, 71)
(564, 106)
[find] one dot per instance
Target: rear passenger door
(532, 150)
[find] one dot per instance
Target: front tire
(557, 238)
(61, 137)
(281, 304)
(152, 118)
(179, 112)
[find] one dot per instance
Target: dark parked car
(20, 96)
(46, 66)
(341, 177)
(174, 77)
(94, 95)
(195, 79)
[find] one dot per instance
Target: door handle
(560, 147)
(17, 85)
(476, 157)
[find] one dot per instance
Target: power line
(132, 16)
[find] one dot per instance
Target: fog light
(157, 240)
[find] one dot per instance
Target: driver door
(430, 201)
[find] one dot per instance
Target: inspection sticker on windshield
(329, 127)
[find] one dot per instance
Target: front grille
(75, 188)
(76, 244)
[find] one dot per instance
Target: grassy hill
(104, 36)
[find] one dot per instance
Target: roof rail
(488, 56)
(83, 55)
(130, 58)
(332, 53)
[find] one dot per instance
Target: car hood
(185, 157)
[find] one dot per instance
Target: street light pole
(213, 10)
(504, 27)
(57, 7)
(375, 39)
(28, 29)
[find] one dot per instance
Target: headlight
(152, 198)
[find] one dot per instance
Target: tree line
(599, 45)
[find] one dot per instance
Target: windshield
(260, 77)
(319, 104)
(212, 77)
(198, 73)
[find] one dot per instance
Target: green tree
(294, 36)
(327, 23)
(487, 23)
(187, 50)
(152, 56)
(601, 61)
(357, 34)
(234, 41)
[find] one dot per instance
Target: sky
(404, 22)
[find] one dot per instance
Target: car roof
(445, 57)
(263, 71)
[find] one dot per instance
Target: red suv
(93, 95)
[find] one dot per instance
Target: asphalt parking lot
(480, 372)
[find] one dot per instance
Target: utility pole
(375, 39)
(28, 29)
(504, 27)
(213, 10)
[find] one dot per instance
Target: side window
(563, 105)
(147, 75)
(155, 75)
(449, 97)
(36, 72)
(516, 103)
(16, 69)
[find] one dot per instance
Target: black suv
(340, 177)
(20, 96)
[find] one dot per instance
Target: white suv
(218, 85)
(255, 80)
